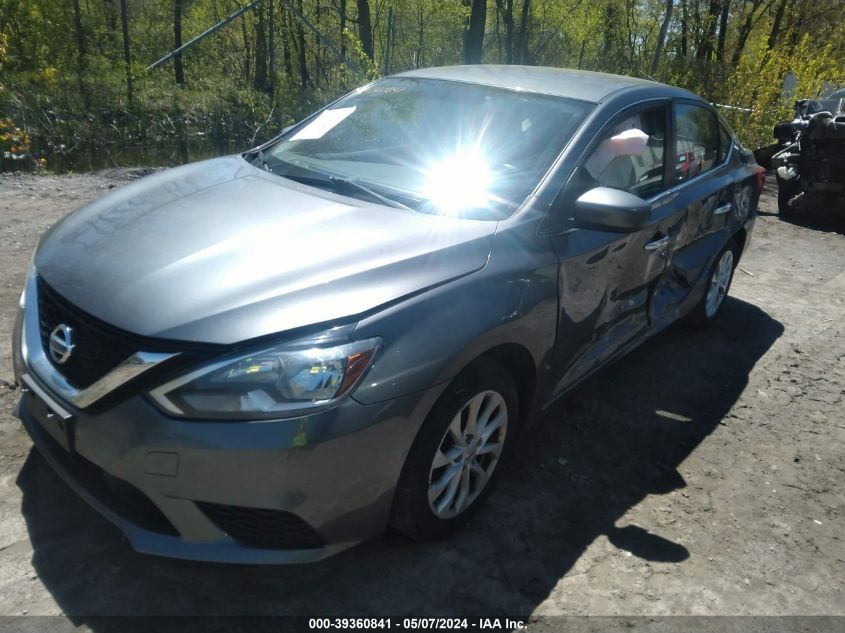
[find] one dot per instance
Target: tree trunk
(610, 44)
(260, 80)
(420, 36)
(177, 41)
(110, 11)
(303, 61)
(271, 45)
(319, 66)
(705, 46)
(776, 25)
(744, 32)
(508, 19)
(509, 30)
(723, 31)
(285, 33)
(661, 38)
(796, 19)
(522, 49)
(684, 28)
(474, 35)
(342, 28)
(365, 28)
(127, 58)
(80, 51)
(388, 48)
(247, 74)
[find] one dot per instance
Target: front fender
(431, 337)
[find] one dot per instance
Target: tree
(80, 50)
(127, 57)
(522, 49)
(342, 19)
(260, 81)
(506, 12)
(177, 41)
(664, 28)
(474, 35)
(300, 51)
(64, 58)
(365, 28)
(752, 15)
(776, 24)
(723, 30)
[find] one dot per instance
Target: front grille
(262, 528)
(99, 348)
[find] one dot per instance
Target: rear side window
(697, 141)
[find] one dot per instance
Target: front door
(606, 278)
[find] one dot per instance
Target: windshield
(434, 146)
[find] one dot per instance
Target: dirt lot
(713, 486)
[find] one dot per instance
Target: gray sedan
(268, 358)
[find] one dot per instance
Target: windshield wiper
(337, 181)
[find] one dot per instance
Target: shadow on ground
(828, 220)
(623, 436)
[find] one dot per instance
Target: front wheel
(718, 285)
(457, 454)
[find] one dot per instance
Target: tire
(422, 509)
(719, 279)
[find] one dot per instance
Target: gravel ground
(709, 486)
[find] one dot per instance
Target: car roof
(561, 82)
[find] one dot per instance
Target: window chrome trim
(36, 360)
(674, 190)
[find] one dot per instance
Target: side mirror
(611, 209)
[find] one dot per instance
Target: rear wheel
(457, 454)
(718, 285)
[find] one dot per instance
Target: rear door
(706, 195)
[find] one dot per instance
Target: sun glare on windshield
(448, 148)
(458, 182)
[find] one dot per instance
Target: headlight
(274, 382)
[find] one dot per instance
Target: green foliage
(60, 100)
(757, 84)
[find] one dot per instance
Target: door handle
(721, 210)
(658, 243)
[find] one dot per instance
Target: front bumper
(206, 490)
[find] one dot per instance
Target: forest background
(77, 91)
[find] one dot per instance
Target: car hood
(220, 252)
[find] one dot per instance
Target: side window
(697, 141)
(629, 156)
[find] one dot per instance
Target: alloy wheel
(719, 282)
(467, 455)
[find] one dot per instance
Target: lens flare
(458, 182)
